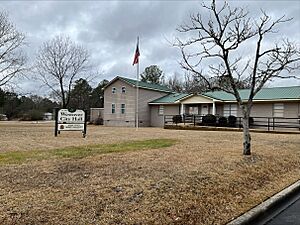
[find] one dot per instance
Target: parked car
(3, 117)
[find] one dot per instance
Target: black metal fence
(269, 123)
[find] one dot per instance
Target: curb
(274, 205)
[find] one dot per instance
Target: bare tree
(12, 59)
(190, 84)
(59, 62)
(174, 83)
(193, 84)
(216, 41)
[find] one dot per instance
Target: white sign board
(65, 116)
(70, 121)
(70, 127)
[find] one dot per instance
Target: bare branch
(59, 62)
(220, 37)
(12, 59)
(223, 33)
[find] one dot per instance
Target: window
(278, 109)
(122, 108)
(113, 108)
(193, 110)
(161, 110)
(123, 90)
(113, 90)
(230, 110)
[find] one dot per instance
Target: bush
(231, 121)
(177, 119)
(209, 120)
(32, 115)
(222, 121)
(98, 121)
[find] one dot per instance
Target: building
(96, 113)
(157, 101)
(120, 101)
(48, 116)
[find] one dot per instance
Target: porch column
(214, 108)
(182, 109)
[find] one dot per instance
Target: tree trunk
(246, 133)
(63, 98)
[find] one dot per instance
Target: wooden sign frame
(66, 120)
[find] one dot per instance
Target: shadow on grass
(18, 157)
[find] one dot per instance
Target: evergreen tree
(153, 74)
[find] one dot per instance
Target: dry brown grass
(202, 179)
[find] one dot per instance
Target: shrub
(222, 121)
(98, 121)
(32, 115)
(231, 121)
(177, 119)
(209, 120)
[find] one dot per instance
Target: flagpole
(137, 92)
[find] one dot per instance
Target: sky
(108, 29)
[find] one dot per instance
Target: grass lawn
(153, 176)
(78, 152)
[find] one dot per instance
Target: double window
(114, 90)
(122, 108)
(278, 110)
(113, 108)
(161, 110)
(230, 110)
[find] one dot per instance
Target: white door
(204, 109)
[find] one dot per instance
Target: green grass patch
(18, 157)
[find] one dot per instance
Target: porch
(265, 123)
(199, 109)
(199, 105)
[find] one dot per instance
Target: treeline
(190, 83)
(33, 107)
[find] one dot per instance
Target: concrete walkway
(290, 216)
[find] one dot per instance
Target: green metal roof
(292, 92)
(171, 98)
(147, 85)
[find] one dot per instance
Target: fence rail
(269, 123)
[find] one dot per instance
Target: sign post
(56, 121)
(66, 120)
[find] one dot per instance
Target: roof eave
(110, 82)
(277, 100)
(209, 97)
(185, 97)
(154, 89)
(266, 100)
(121, 78)
(163, 103)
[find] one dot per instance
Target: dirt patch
(202, 179)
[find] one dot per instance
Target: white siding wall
(146, 96)
(128, 98)
(291, 109)
(158, 120)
